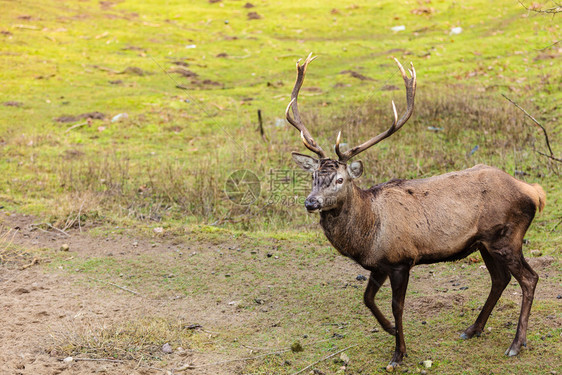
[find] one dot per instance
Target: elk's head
(333, 179)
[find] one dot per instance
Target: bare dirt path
(39, 306)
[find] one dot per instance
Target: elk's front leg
(399, 282)
(376, 280)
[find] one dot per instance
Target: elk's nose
(312, 203)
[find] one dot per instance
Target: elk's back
(445, 217)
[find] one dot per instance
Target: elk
(396, 225)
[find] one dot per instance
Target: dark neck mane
(351, 226)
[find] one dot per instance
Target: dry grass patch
(136, 339)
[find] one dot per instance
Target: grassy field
(133, 114)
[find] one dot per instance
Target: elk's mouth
(312, 204)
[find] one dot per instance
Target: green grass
(170, 159)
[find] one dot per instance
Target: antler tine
(338, 152)
(410, 84)
(296, 121)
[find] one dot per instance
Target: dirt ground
(38, 303)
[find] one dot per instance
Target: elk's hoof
(514, 349)
(392, 366)
(469, 333)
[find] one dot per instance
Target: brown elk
(393, 226)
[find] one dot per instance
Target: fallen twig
(323, 359)
(115, 285)
(33, 262)
(556, 225)
(553, 10)
(98, 360)
(76, 126)
(550, 45)
(551, 156)
(50, 226)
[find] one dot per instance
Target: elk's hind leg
(499, 273)
(376, 280)
(399, 282)
(527, 279)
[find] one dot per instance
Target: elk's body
(393, 226)
(430, 220)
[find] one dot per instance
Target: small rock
(424, 322)
(68, 360)
(345, 358)
(135, 244)
(423, 372)
(361, 278)
(456, 30)
(390, 368)
(536, 253)
(64, 247)
(159, 230)
(463, 288)
(559, 296)
(167, 348)
(427, 363)
(120, 116)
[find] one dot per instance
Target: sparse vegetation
(137, 339)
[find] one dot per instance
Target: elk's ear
(355, 169)
(308, 163)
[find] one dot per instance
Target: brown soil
(37, 305)
(38, 302)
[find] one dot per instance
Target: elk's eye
(339, 181)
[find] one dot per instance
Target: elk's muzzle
(312, 203)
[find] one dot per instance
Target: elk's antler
(296, 121)
(396, 125)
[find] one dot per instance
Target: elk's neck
(353, 226)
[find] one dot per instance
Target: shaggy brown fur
(391, 227)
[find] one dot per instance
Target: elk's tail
(541, 196)
(535, 192)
